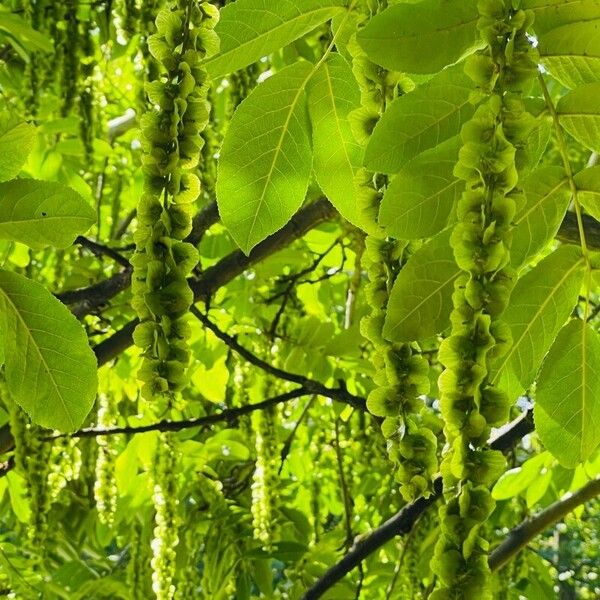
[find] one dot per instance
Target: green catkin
(105, 487)
(166, 519)
(65, 465)
(129, 14)
(489, 161)
(32, 459)
(71, 58)
(35, 11)
(58, 28)
(401, 375)
(190, 579)
(138, 568)
(171, 144)
(86, 94)
(264, 481)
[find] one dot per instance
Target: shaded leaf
(25, 35)
(50, 368)
(266, 158)
(42, 213)
(421, 298)
(423, 37)
(567, 411)
(432, 113)
(420, 198)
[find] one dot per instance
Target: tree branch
(228, 268)
(402, 522)
(86, 300)
(314, 387)
(521, 535)
(228, 415)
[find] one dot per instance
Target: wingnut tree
(299, 299)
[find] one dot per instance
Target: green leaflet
(50, 369)
(554, 13)
(541, 302)
(536, 145)
(572, 53)
(24, 34)
(16, 142)
(420, 198)
(516, 481)
(547, 197)
(266, 158)
(332, 94)
(420, 120)
(251, 29)
(42, 213)
(567, 411)
(421, 298)
(588, 185)
(579, 114)
(423, 37)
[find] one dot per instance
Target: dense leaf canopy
(299, 299)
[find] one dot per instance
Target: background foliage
(279, 191)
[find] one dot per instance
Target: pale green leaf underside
(579, 114)
(423, 37)
(540, 304)
(266, 158)
(547, 197)
(422, 119)
(588, 186)
(420, 198)
(572, 53)
(554, 13)
(332, 94)
(50, 369)
(567, 410)
(251, 29)
(421, 298)
(16, 142)
(42, 213)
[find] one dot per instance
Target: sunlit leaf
(332, 94)
(431, 114)
(42, 213)
(251, 29)
(50, 368)
(266, 158)
(423, 37)
(421, 299)
(567, 411)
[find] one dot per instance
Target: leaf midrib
(222, 56)
(519, 220)
(422, 302)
